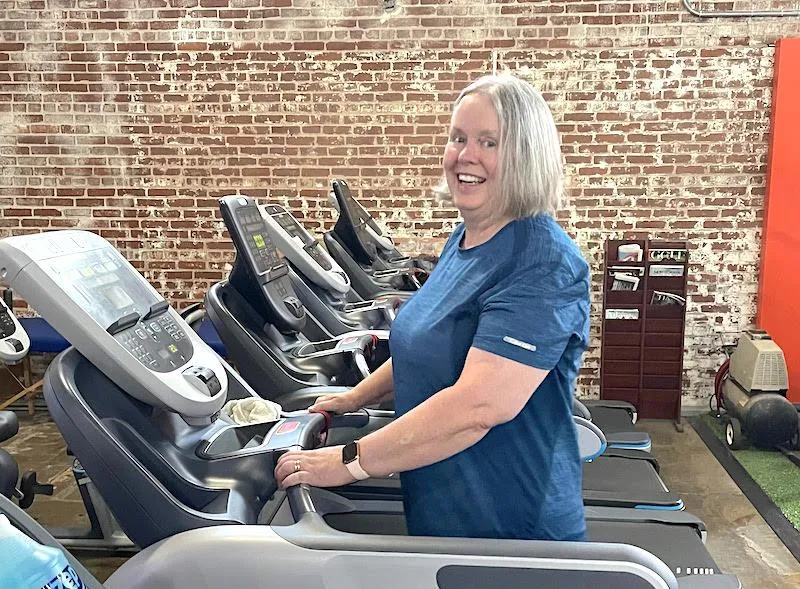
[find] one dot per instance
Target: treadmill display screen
(103, 285)
(257, 240)
(288, 223)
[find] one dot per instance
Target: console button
(294, 305)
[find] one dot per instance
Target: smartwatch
(350, 460)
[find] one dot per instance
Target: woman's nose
(467, 153)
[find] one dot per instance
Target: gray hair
(530, 172)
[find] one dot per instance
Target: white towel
(245, 411)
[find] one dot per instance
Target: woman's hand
(318, 468)
(337, 403)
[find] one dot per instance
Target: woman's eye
(457, 139)
(489, 143)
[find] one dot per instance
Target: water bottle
(26, 564)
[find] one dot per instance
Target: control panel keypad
(319, 257)
(159, 343)
(257, 240)
(7, 326)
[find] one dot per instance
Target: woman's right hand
(336, 403)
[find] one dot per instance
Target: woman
(485, 355)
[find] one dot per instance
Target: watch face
(349, 452)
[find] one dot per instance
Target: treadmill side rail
(338, 561)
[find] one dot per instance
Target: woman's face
(471, 155)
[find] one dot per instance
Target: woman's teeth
(466, 178)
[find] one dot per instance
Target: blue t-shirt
(523, 295)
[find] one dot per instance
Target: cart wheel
(733, 434)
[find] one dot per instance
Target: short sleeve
(531, 315)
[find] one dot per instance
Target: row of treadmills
(138, 399)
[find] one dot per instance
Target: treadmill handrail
(312, 532)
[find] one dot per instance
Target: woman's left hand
(319, 468)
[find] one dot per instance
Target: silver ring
(297, 465)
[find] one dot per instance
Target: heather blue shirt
(523, 295)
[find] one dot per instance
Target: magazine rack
(644, 311)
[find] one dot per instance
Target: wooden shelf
(642, 358)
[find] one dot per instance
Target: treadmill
(14, 341)
(195, 559)
(617, 419)
(257, 309)
(370, 259)
(138, 400)
(14, 345)
(320, 283)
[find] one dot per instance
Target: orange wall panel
(779, 281)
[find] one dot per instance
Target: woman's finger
(284, 458)
(293, 479)
(290, 463)
(324, 402)
(282, 471)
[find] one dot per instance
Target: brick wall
(129, 117)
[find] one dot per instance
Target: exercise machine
(200, 558)
(14, 346)
(617, 419)
(14, 342)
(320, 283)
(367, 255)
(261, 321)
(324, 289)
(103, 532)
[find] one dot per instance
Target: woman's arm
(376, 388)
(491, 390)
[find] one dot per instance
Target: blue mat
(209, 334)
(44, 339)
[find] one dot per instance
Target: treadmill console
(158, 342)
(259, 273)
(353, 223)
(14, 342)
(305, 252)
(370, 226)
(91, 295)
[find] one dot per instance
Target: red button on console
(286, 427)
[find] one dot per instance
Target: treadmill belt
(608, 481)
(679, 546)
(612, 420)
(621, 482)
